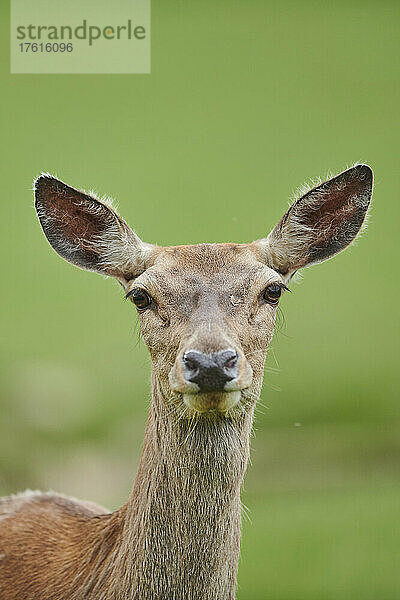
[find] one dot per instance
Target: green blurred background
(246, 101)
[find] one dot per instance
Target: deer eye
(140, 298)
(273, 293)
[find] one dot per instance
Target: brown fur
(178, 535)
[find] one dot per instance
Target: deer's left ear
(319, 224)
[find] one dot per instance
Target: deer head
(207, 311)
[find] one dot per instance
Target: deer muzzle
(210, 381)
(210, 372)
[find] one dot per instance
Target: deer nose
(210, 371)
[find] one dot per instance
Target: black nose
(210, 371)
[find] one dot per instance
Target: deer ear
(319, 224)
(87, 232)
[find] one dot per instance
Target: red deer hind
(207, 315)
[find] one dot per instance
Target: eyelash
(281, 285)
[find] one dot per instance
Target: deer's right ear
(87, 232)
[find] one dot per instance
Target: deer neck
(181, 531)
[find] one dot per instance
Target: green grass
(325, 545)
(245, 102)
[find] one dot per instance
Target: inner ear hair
(321, 223)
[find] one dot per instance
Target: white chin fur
(221, 402)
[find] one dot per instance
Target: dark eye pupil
(273, 293)
(140, 298)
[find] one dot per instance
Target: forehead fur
(208, 259)
(216, 268)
